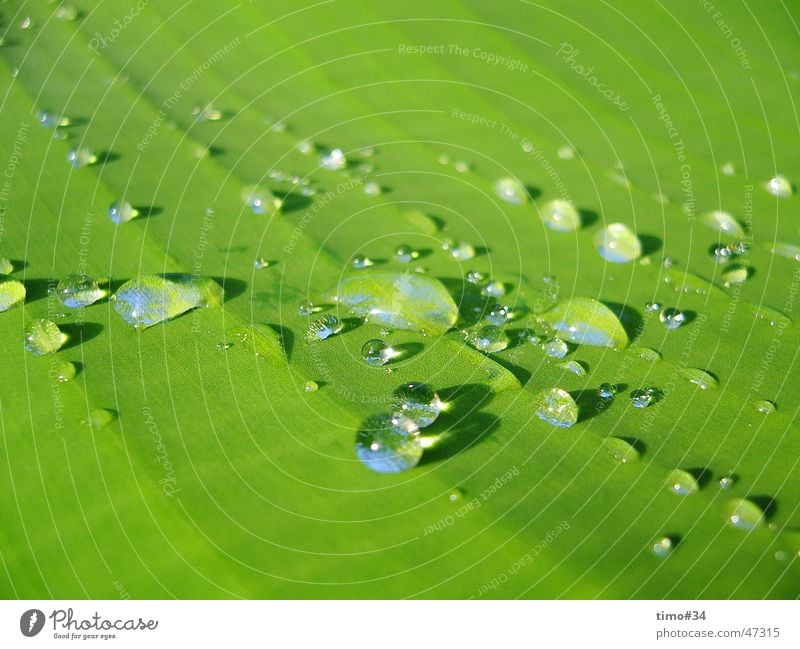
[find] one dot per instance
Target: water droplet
(223, 347)
(78, 291)
(81, 157)
(6, 267)
(306, 147)
(12, 292)
(277, 174)
(781, 555)
(663, 547)
(443, 159)
(618, 244)
(724, 223)
(585, 321)
(372, 188)
(461, 166)
(361, 261)
(555, 348)
(261, 263)
(556, 407)
(573, 366)
(387, 444)
(765, 407)
(335, 160)
(560, 215)
(500, 315)
(462, 251)
(621, 450)
(63, 371)
(648, 354)
(206, 113)
(310, 386)
(418, 403)
(260, 200)
(455, 495)
(672, 318)
(494, 289)
(652, 307)
(306, 307)
(52, 120)
(643, 398)
(376, 352)
(742, 514)
(788, 250)
(779, 186)
(260, 340)
(405, 254)
(489, 339)
(43, 337)
(682, 483)
(566, 152)
(26, 23)
(475, 277)
(606, 390)
(728, 169)
(323, 328)
(99, 418)
(724, 252)
(121, 212)
(511, 191)
(700, 378)
(150, 299)
(727, 481)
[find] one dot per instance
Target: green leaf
(585, 321)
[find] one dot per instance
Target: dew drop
(499, 315)
(555, 348)
(306, 147)
(556, 407)
(788, 250)
(63, 371)
(78, 291)
(511, 191)
(682, 483)
(260, 200)
(443, 159)
(560, 215)
(765, 407)
(494, 289)
(489, 339)
(376, 352)
(663, 547)
(621, 450)
(573, 366)
(742, 514)
(455, 495)
(81, 157)
(206, 113)
(728, 169)
(643, 398)
(462, 251)
(779, 186)
(43, 337)
(606, 390)
(723, 223)
(99, 418)
(652, 307)
(12, 292)
(475, 277)
(618, 244)
(648, 354)
(310, 386)
(223, 347)
(306, 307)
(461, 166)
(52, 120)
(334, 161)
(700, 378)
(566, 152)
(387, 444)
(726, 481)
(405, 254)
(672, 318)
(323, 328)
(416, 402)
(585, 321)
(150, 299)
(6, 267)
(372, 188)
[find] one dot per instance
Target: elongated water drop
(742, 514)
(511, 191)
(788, 250)
(621, 450)
(49, 119)
(682, 483)
(78, 291)
(388, 444)
(489, 339)
(323, 328)
(150, 299)
(779, 186)
(418, 403)
(764, 407)
(556, 407)
(43, 337)
(618, 244)
(462, 251)
(560, 215)
(724, 223)
(376, 352)
(574, 367)
(206, 113)
(121, 212)
(63, 371)
(12, 292)
(81, 157)
(585, 321)
(260, 200)
(700, 378)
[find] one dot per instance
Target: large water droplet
(585, 321)
(742, 514)
(43, 337)
(121, 212)
(323, 328)
(700, 378)
(12, 292)
(511, 191)
(260, 200)
(462, 251)
(388, 444)
(672, 318)
(148, 300)
(621, 450)
(78, 291)
(376, 352)
(556, 407)
(418, 403)
(499, 315)
(764, 407)
(81, 157)
(574, 367)
(489, 339)
(779, 186)
(682, 483)
(723, 223)
(618, 244)
(560, 215)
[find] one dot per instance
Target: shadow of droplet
(590, 404)
(630, 318)
(18, 264)
(457, 435)
(702, 475)
(588, 218)
(287, 340)
(293, 202)
(533, 192)
(146, 211)
(405, 351)
(767, 504)
(463, 399)
(650, 244)
(233, 287)
(37, 289)
(638, 445)
(472, 306)
(688, 317)
(104, 157)
(80, 333)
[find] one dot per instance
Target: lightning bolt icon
(32, 620)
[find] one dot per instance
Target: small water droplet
(700, 378)
(728, 169)
(573, 366)
(6, 267)
(672, 318)
(372, 188)
(742, 514)
(765, 407)
(260, 263)
(566, 152)
(260, 200)
(405, 254)
(461, 166)
(556, 407)
(418, 403)
(455, 495)
(376, 352)
(361, 261)
(306, 147)
(444, 159)
(494, 289)
(723, 223)
(81, 157)
(475, 277)
(63, 371)
(52, 120)
(781, 555)
(306, 307)
(643, 398)
(323, 328)
(499, 315)
(26, 23)
(682, 483)
(225, 346)
(560, 215)
(727, 481)
(663, 547)
(334, 161)
(606, 390)
(555, 348)
(462, 251)
(310, 386)
(779, 186)
(618, 244)
(489, 339)
(621, 450)
(121, 212)
(388, 444)
(12, 292)
(511, 191)
(652, 307)
(206, 113)
(78, 291)
(647, 354)
(788, 250)
(43, 337)
(99, 418)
